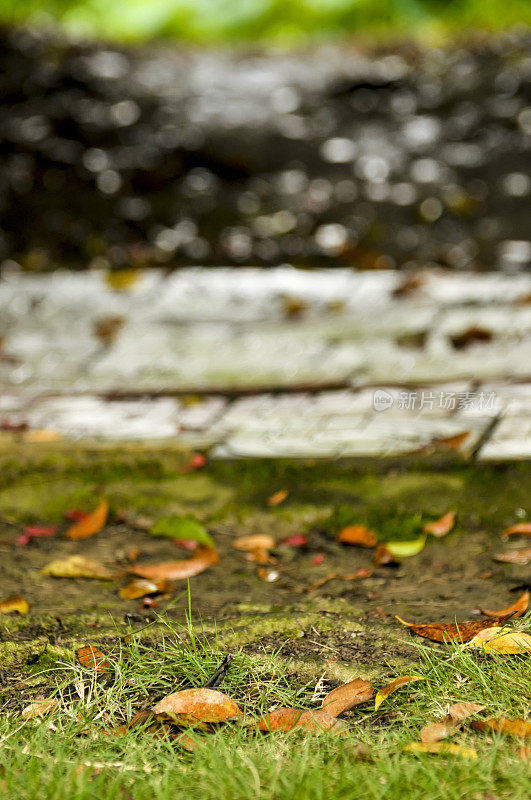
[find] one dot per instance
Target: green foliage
(182, 528)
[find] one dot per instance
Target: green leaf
(179, 528)
(405, 549)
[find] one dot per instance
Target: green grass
(76, 753)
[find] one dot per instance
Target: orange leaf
(277, 497)
(192, 706)
(358, 535)
(91, 524)
(383, 694)
(383, 556)
(460, 711)
(257, 541)
(436, 731)
(40, 708)
(518, 608)
(347, 696)
(442, 526)
(449, 631)
(14, 603)
(140, 588)
(281, 719)
(519, 528)
(514, 556)
(319, 721)
(203, 558)
(511, 727)
(451, 442)
(92, 658)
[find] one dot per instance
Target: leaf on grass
(277, 497)
(383, 694)
(436, 731)
(460, 711)
(364, 572)
(141, 588)
(188, 742)
(514, 556)
(14, 604)
(203, 558)
(182, 528)
(40, 708)
(495, 640)
(521, 528)
(518, 608)
(192, 706)
(449, 631)
(319, 721)
(91, 524)
(444, 748)
(92, 658)
(76, 567)
(441, 526)
(524, 753)
(357, 535)
(344, 697)
(510, 727)
(281, 719)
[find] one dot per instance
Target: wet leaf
(192, 706)
(448, 631)
(76, 567)
(357, 535)
(383, 694)
(520, 529)
(91, 524)
(281, 719)
(203, 558)
(495, 640)
(518, 608)
(92, 658)
(442, 526)
(510, 727)
(406, 549)
(444, 748)
(277, 497)
(514, 556)
(140, 588)
(14, 604)
(347, 696)
(181, 528)
(40, 708)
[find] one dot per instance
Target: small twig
(219, 674)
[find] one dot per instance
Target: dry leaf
(92, 658)
(278, 497)
(364, 572)
(449, 631)
(494, 640)
(521, 528)
(460, 711)
(140, 588)
(91, 524)
(257, 541)
(192, 706)
(203, 558)
(518, 608)
(357, 535)
(436, 731)
(188, 742)
(14, 604)
(442, 526)
(441, 747)
(383, 694)
(347, 696)
(319, 721)
(281, 719)
(514, 556)
(511, 727)
(76, 567)
(40, 708)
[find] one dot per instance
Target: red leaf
(297, 540)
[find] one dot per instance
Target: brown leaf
(319, 721)
(358, 535)
(91, 524)
(449, 631)
(91, 657)
(203, 558)
(257, 541)
(511, 727)
(106, 329)
(460, 711)
(192, 706)
(40, 708)
(518, 608)
(442, 526)
(436, 731)
(14, 604)
(344, 697)
(76, 567)
(281, 719)
(451, 442)
(188, 742)
(383, 694)
(141, 588)
(383, 556)
(514, 556)
(277, 497)
(521, 528)
(364, 572)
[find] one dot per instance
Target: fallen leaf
(106, 329)
(42, 436)
(186, 544)
(36, 531)
(297, 540)
(140, 588)
(347, 696)
(318, 559)
(442, 526)
(451, 442)
(74, 515)
(446, 748)
(192, 706)
(40, 708)
(449, 631)
(521, 528)
(436, 731)
(460, 711)
(357, 535)
(183, 528)
(518, 608)
(281, 719)
(257, 541)
(188, 742)
(319, 721)
(277, 497)
(14, 603)
(511, 727)
(122, 280)
(383, 694)
(524, 753)
(406, 549)
(494, 640)
(76, 567)
(364, 572)
(91, 524)
(176, 570)
(92, 658)
(514, 556)
(383, 556)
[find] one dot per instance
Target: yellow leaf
(441, 747)
(383, 694)
(14, 603)
(406, 549)
(122, 280)
(76, 567)
(512, 643)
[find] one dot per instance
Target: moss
(15, 655)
